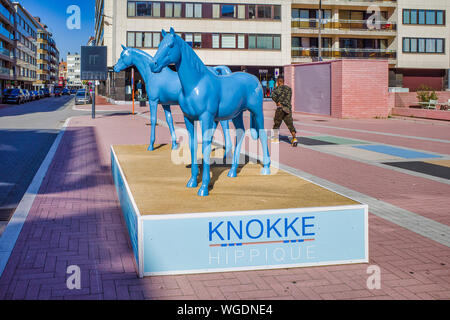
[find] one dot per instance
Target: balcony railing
(5, 52)
(6, 33)
(343, 24)
(331, 53)
(5, 71)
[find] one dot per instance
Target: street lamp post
(319, 56)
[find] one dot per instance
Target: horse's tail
(253, 131)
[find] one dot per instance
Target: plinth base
(246, 223)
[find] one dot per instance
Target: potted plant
(425, 94)
(143, 101)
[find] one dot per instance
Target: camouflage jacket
(283, 95)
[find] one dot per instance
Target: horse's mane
(190, 54)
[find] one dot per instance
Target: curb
(12, 231)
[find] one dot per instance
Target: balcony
(354, 3)
(6, 72)
(341, 26)
(343, 53)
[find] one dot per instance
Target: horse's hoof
(203, 191)
(265, 171)
(232, 173)
(175, 146)
(192, 183)
(150, 148)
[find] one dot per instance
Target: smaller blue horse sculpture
(165, 88)
(211, 98)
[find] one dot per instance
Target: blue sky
(53, 14)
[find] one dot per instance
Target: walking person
(139, 89)
(282, 96)
(271, 86)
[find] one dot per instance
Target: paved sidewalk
(76, 220)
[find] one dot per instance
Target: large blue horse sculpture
(165, 88)
(211, 98)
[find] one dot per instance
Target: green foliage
(425, 93)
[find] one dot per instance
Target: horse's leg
(208, 127)
(240, 133)
(259, 119)
(192, 183)
(169, 121)
(227, 139)
(153, 106)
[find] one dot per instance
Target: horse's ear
(123, 47)
(172, 31)
(163, 32)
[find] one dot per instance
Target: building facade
(7, 29)
(261, 38)
(47, 57)
(25, 48)
(240, 34)
(74, 70)
(62, 74)
(423, 43)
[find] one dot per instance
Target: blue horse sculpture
(164, 88)
(211, 98)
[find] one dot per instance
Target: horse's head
(168, 52)
(125, 60)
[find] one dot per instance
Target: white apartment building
(73, 70)
(237, 33)
(423, 43)
(263, 36)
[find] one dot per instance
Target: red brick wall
(359, 88)
(364, 89)
(407, 99)
(422, 113)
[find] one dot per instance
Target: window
(197, 40)
(189, 10)
(241, 41)
(421, 16)
(156, 9)
(264, 42)
(431, 17)
(143, 8)
(169, 9)
(177, 10)
(228, 11)
(216, 11)
(156, 39)
(252, 42)
(130, 40)
(277, 12)
(264, 12)
(148, 40)
(251, 11)
(241, 11)
(138, 40)
(423, 45)
(189, 38)
(440, 17)
(215, 41)
(198, 10)
(277, 43)
(228, 41)
(406, 45)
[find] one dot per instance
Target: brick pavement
(76, 220)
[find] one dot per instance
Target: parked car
(41, 93)
(83, 97)
(57, 92)
(73, 91)
(32, 95)
(65, 92)
(27, 95)
(36, 95)
(46, 92)
(15, 96)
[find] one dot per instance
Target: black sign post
(94, 67)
